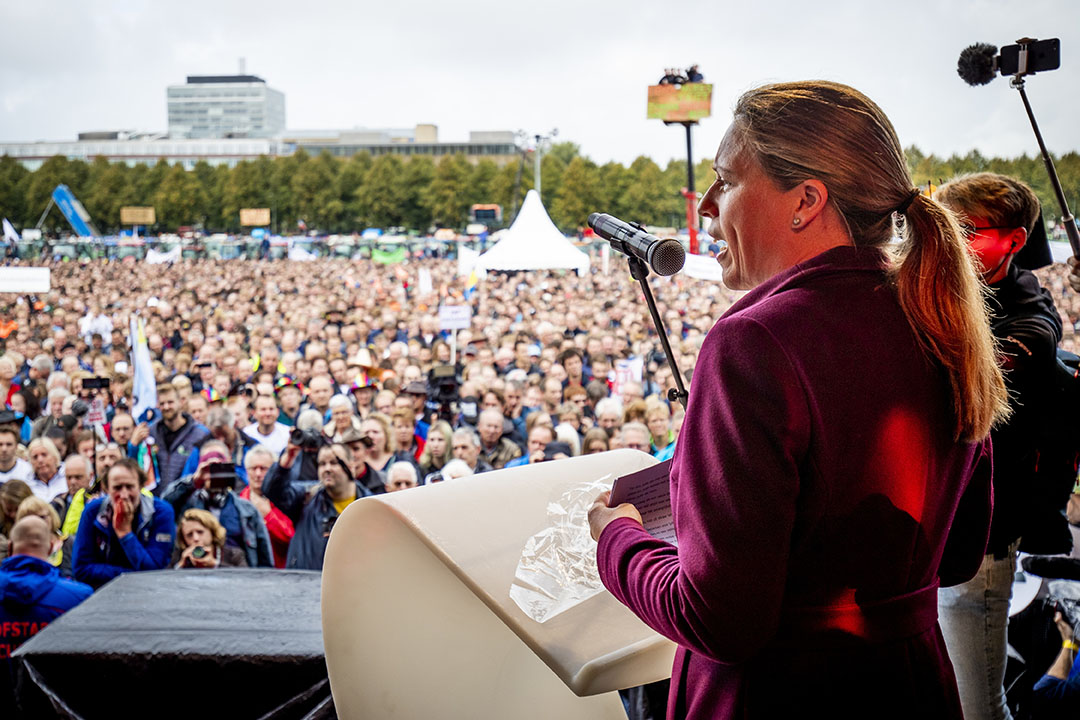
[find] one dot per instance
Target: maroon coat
(813, 486)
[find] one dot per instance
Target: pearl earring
(796, 221)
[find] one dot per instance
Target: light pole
(542, 141)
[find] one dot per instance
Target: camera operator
(315, 511)
(223, 424)
(298, 463)
(1057, 693)
(201, 543)
(210, 488)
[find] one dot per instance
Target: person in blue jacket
(32, 593)
(124, 531)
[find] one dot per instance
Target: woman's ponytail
(944, 300)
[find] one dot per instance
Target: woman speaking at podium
(831, 471)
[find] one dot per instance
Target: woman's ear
(810, 198)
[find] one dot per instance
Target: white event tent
(534, 243)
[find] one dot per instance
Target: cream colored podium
(418, 622)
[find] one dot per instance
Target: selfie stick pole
(1066, 214)
(640, 272)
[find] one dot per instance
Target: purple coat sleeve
(735, 483)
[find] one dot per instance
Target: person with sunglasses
(999, 215)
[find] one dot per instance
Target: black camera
(444, 383)
(308, 440)
(328, 525)
(95, 383)
(198, 552)
(222, 477)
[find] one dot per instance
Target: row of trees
(336, 195)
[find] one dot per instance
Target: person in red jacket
(832, 467)
(257, 463)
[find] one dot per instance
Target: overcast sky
(581, 67)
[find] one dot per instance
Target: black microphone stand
(640, 272)
(1067, 216)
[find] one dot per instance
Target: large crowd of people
(286, 390)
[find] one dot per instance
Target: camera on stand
(444, 384)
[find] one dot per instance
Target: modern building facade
(227, 119)
(497, 146)
(225, 106)
(146, 149)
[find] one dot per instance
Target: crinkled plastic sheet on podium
(418, 621)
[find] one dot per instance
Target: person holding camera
(314, 510)
(211, 488)
(1057, 693)
(201, 543)
(125, 531)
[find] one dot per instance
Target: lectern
(417, 616)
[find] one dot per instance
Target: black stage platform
(194, 643)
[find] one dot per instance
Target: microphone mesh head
(668, 257)
(976, 64)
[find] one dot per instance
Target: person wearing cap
(417, 392)
(363, 389)
(290, 395)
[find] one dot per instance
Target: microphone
(664, 257)
(977, 64)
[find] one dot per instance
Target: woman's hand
(209, 560)
(600, 515)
